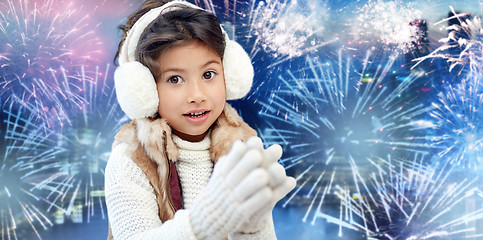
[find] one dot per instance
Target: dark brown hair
(172, 28)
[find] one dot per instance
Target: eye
(175, 80)
(209, 75)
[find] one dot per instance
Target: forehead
(190, 54)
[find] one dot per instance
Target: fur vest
(153, 150)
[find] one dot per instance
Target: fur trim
(127, 134)
(136, 90)
(152, 134)
(227, 129)
(141, 153)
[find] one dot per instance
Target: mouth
(196, 114)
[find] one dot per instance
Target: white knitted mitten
(279, 182)
(237, 189)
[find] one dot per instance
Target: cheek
(221, 94)
(221, 88)
(166, 102)
(220, 98)
(160, 94)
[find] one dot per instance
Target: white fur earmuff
(238, 70)
(136, 87)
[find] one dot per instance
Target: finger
(227, 162)
(277, 174)
(251, 184)
(256, 202)
(255, 143)
(272, 154)
(283, 189)
(250, 160)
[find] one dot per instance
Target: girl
(177, 69)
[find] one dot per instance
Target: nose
(196, 92)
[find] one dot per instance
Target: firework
(457, 124)
(406, 200)
(358, 108)
(31, 180)
(40, 44)
(395, 24)
(337, 120)
(90, 138)
(456, 118)
(286, 28)
(281, 30)
(463, 47)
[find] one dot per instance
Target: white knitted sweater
(194, 167)
(131, 200)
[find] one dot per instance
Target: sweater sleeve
(267, 233)
(131, 203)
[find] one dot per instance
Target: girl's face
(191, 89)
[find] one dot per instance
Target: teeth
(198, 114)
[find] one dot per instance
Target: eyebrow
(182, 70)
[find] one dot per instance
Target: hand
(238, 188)
(280, 184)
